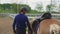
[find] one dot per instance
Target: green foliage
(59, 7)
(34, 12)
(39, 7)
(12, 8)
(23, 5)
(48, 8)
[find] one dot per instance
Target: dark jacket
(21, 21)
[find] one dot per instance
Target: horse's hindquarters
(48, 26)
(54, 28)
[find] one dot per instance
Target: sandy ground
(6, 25)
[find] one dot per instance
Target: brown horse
(49, 26)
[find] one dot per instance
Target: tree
(14, 7)
(26, 6)
(59, 7)
(48, 8)
(39, 7)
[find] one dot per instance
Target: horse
(49, 26)
(34, 23)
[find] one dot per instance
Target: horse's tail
(54, 29)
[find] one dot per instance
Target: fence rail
(30, 16)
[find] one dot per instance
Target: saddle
(37, 21)
(35, 24)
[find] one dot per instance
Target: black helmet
(25, 9)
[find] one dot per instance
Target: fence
(30, 16)
(34, 16)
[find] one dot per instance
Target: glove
(14, 30)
